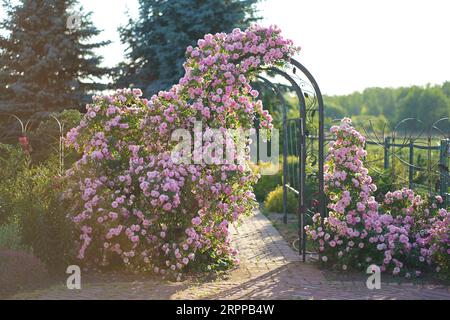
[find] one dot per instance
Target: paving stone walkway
(269, 269)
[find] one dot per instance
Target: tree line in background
(390, 106)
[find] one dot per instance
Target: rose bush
(404, 235)
(439, 242)
(132, 200)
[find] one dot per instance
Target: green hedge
(274, 201)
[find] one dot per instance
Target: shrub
(33, 214)
(266, 183)
(439, 241)
(274, 201)
(404, 234)
(20, 270)
(132, 200)
(12, 160)
(10, 237)
(42, 215)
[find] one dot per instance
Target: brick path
(269, 269)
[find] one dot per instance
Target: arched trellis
(295, 131)
(24, 127)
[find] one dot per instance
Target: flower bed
(405, 235)
(131, 200)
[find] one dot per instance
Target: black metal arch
(298, 127)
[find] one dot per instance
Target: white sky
(348, 45)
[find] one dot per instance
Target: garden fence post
(429, 166)
(443, 169)
(285, 164)
(411, 164)
(387, 145)
(257, 142)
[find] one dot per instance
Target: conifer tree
(47, 58)
(158, 38)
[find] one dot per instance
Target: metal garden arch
(296, 151)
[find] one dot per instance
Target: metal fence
(418, 160)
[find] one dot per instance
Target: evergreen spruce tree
(47, 62)
(158, 38)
